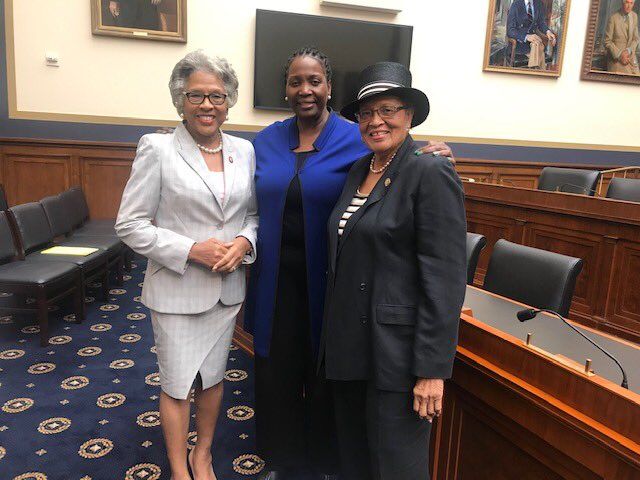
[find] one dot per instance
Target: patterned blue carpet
(86, 406)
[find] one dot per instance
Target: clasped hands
(222, 257)
(534, 38)
(427, 398)
(625, 57)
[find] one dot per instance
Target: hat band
(376, 88)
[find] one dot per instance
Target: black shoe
(270, 475)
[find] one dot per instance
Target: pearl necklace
(212, 150)
(382, 168)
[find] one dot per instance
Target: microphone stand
(528, 314)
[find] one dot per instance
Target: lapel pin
(230, 159)
(387, 182)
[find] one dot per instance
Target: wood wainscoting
(33, 169)
(513, 174)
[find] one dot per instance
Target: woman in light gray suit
(189, 207)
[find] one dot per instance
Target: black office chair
(532, 276)
(47, 283)
(75, 204)
(627, 189)
(60, 225)
(34, 236)
(4, 205)
(569, 180)
(475, 244)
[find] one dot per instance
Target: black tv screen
(350, 45)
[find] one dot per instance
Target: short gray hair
(199, 61)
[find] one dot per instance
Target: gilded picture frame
(508, 49)
(162, 20)
(603, 34)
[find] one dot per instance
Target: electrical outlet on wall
(52, 59)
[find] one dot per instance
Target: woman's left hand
(436, 149)
(427, 397)
(237, 250)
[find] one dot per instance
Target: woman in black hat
(395, 287)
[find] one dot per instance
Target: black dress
(294, 418)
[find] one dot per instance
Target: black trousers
(380, 437)
(295, 426)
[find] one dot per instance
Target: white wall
(104, 76)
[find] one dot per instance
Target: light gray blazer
(168, 205)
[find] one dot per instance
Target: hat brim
(416, 98)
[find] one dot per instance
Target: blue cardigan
(321, 179)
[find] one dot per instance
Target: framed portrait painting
(611, 52)
(526, 36)
(144, 19)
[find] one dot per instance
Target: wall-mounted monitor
(351, 45)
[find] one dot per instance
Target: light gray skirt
(188, 344)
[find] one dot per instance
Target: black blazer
(396, 278)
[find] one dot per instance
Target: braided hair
(314, 53)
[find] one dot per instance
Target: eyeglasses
(386, 112)
(196, 98)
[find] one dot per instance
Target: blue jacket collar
(294, 137)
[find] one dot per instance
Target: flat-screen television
(351, 45)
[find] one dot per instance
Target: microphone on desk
(584, 190)
(529, 313)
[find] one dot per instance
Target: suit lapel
(230, 160)
(190, 153)
(353, 181)
(378, 192)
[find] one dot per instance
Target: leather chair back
(58, 217)
(570, 180)
(4, 205)
(532, 276)
(624, 189)
(75, 213)
(7, 248)
(32, 226)
(80, 201)
(475, 244)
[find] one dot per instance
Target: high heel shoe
(190, 465)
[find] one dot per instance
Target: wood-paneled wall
(32, 169)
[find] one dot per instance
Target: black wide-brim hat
(388, 78)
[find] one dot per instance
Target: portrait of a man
(621, 40)
(526, 23)
(526, 36)
(611, 51)
(152, 19)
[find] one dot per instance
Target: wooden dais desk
(514, 412)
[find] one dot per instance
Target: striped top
(356, 202)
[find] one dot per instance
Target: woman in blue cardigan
(301, 166)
